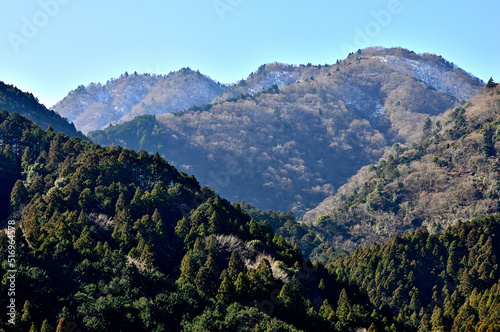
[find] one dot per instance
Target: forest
(449, 175)
(108, 238)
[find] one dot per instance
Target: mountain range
(293, 143)
(108, 238)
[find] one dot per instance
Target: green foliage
(425, 280)
(14, 100)
(491, 83)
(113, 239)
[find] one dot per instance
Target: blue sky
(49, 47)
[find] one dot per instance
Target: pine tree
(491, 83)
(33, 328)
(427, 125)
(326, 311)
(158, 222)
(424, 325)
(120, 203)
(26, 319)
(437, 319)
(85, 243)
(242, 286)
(264, 274)
(291, 295)
(321, 285)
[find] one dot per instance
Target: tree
(26, 318)
(226, 291)
(85, 243)
(188, 270)
(19, 195)
(491, 83)
(437, 319)
(242, 285)
(427, 125)
(46, 327)
(424, 324)
(326, 311)
(147, 258)
(206, 277)
(343, 309)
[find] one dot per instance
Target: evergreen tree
(19, 195)
(188, 270)
(26, 318)
(226, 291)
(491, 83)
(147, 258)
(343, 309)
(236, 266)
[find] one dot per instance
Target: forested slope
(452, 174)
(113, 239)
(14, 100)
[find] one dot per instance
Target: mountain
(14, 100)
(109, 239)
(287, 148)
(452, 174)
(96, 106)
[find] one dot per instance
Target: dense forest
(14, 100)
(291, 145)
(113, 239)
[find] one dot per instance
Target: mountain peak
(121, 99)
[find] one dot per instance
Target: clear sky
(49, 47)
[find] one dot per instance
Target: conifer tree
(188, 270)
(236, 266)
(226, 291)
(147, 258)
(19, 195)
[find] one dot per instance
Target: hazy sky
(49, 47)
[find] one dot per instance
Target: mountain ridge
(13, 99)
(286, 148)
(97, 105)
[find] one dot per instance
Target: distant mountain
(451, 175)
(14, 100)
(96, 106)
(289, 147)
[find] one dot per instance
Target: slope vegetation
(108, 239)
(14, 100)
(289, 147)
(451, 175)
